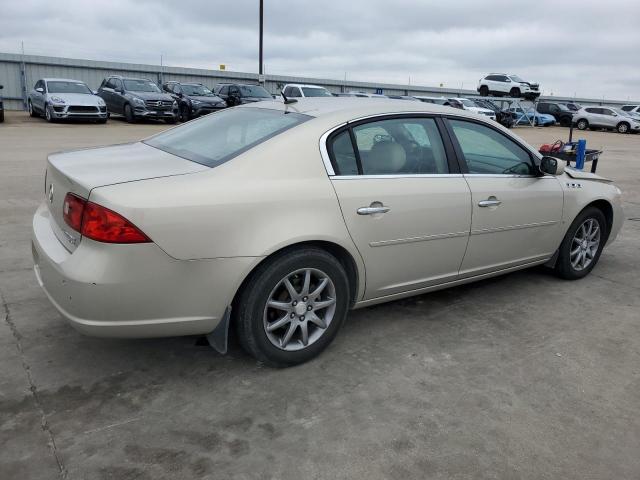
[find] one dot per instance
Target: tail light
(99, 223)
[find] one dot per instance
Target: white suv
(472, 107)
(500, 84)
(631, 108)
(606, 117)
(297, 90)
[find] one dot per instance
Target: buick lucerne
(277, 218)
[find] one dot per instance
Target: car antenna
(288, 101)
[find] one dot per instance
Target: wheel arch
(338, 251)
(606, 208)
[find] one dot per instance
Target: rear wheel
(582, 245)
(292, 307)
(128, 114)
(582, 124)
(515, 92)
(622, 127)
(565, 121)
(484, 90)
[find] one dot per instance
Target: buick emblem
(51, 193)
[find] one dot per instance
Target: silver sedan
(277, 218)
(62, 98)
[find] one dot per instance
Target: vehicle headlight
(57, 100)
(101, 102)
(138, 101)
(196, 102)
(175, 104)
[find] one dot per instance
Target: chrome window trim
(400, 175)
(324, 153)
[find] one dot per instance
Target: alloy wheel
(585, 243)
(623, 128)
(299, 309)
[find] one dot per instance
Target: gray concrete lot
(522, 376)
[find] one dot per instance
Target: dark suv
(239, 93)
(194, 99)
(137, 98)
(560, 112)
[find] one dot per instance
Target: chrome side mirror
(551, 166)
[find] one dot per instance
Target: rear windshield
(219, 137)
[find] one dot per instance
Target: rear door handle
(375, 207)
(489, 202)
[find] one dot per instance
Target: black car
(562, 113)
(503, 116)
(239, 93)
(1, 106)
(194, 99)
(137, 98)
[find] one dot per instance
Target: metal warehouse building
(18, 73)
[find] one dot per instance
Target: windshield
(254, 91)
(219, 137)
(467, 103)
(141, 86)
(516, 78)
(68, 87)
(197, 90)
(315, 92)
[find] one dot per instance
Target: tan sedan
(276, 219)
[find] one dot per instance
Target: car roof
(62, 80)
(343, 109)
(303, 85)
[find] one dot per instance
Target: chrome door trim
(422, 238)
(514, 227)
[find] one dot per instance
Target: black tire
(484, 91)
(252, 301)
(565, 121)
(564, 268)
(515, 92)
(128, 114)
(170, 121)
(582, 124)
(623, 127)
(32, 112)
(1, 116)
(184, 113)
(47, 114)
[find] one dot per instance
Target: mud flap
(220, 335)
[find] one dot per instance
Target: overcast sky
(589, 47)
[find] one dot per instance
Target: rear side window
(487, 151)
(398, 146)
(219, 137)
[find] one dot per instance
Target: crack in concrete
(44, 424)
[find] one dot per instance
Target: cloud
(570, 47)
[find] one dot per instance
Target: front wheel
(484, 91)
(515, 92)
(184, 113)
(292, 307)
(48, 115)
(623, 127)
(128, 114)
(582, 245)
(582, 124)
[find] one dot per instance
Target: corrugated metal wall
(92, 72)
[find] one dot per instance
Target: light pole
(260, 70)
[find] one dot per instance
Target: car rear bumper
(132, 291)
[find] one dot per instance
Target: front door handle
(489, 202)
(375, 207)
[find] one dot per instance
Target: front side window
(139, 85)
(591, 110)
(607, 112)
(399, 146)
(219, 137)
(487, 151)
(224, 90)
(68, 87)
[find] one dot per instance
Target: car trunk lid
(80, 171)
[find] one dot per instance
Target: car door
(595, 117)
(118, 99)
(107, 94)
(609, 117)
(517, 214)
(405, 204)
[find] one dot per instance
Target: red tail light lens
(99, 223)
(72, 209)
(104, 225)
